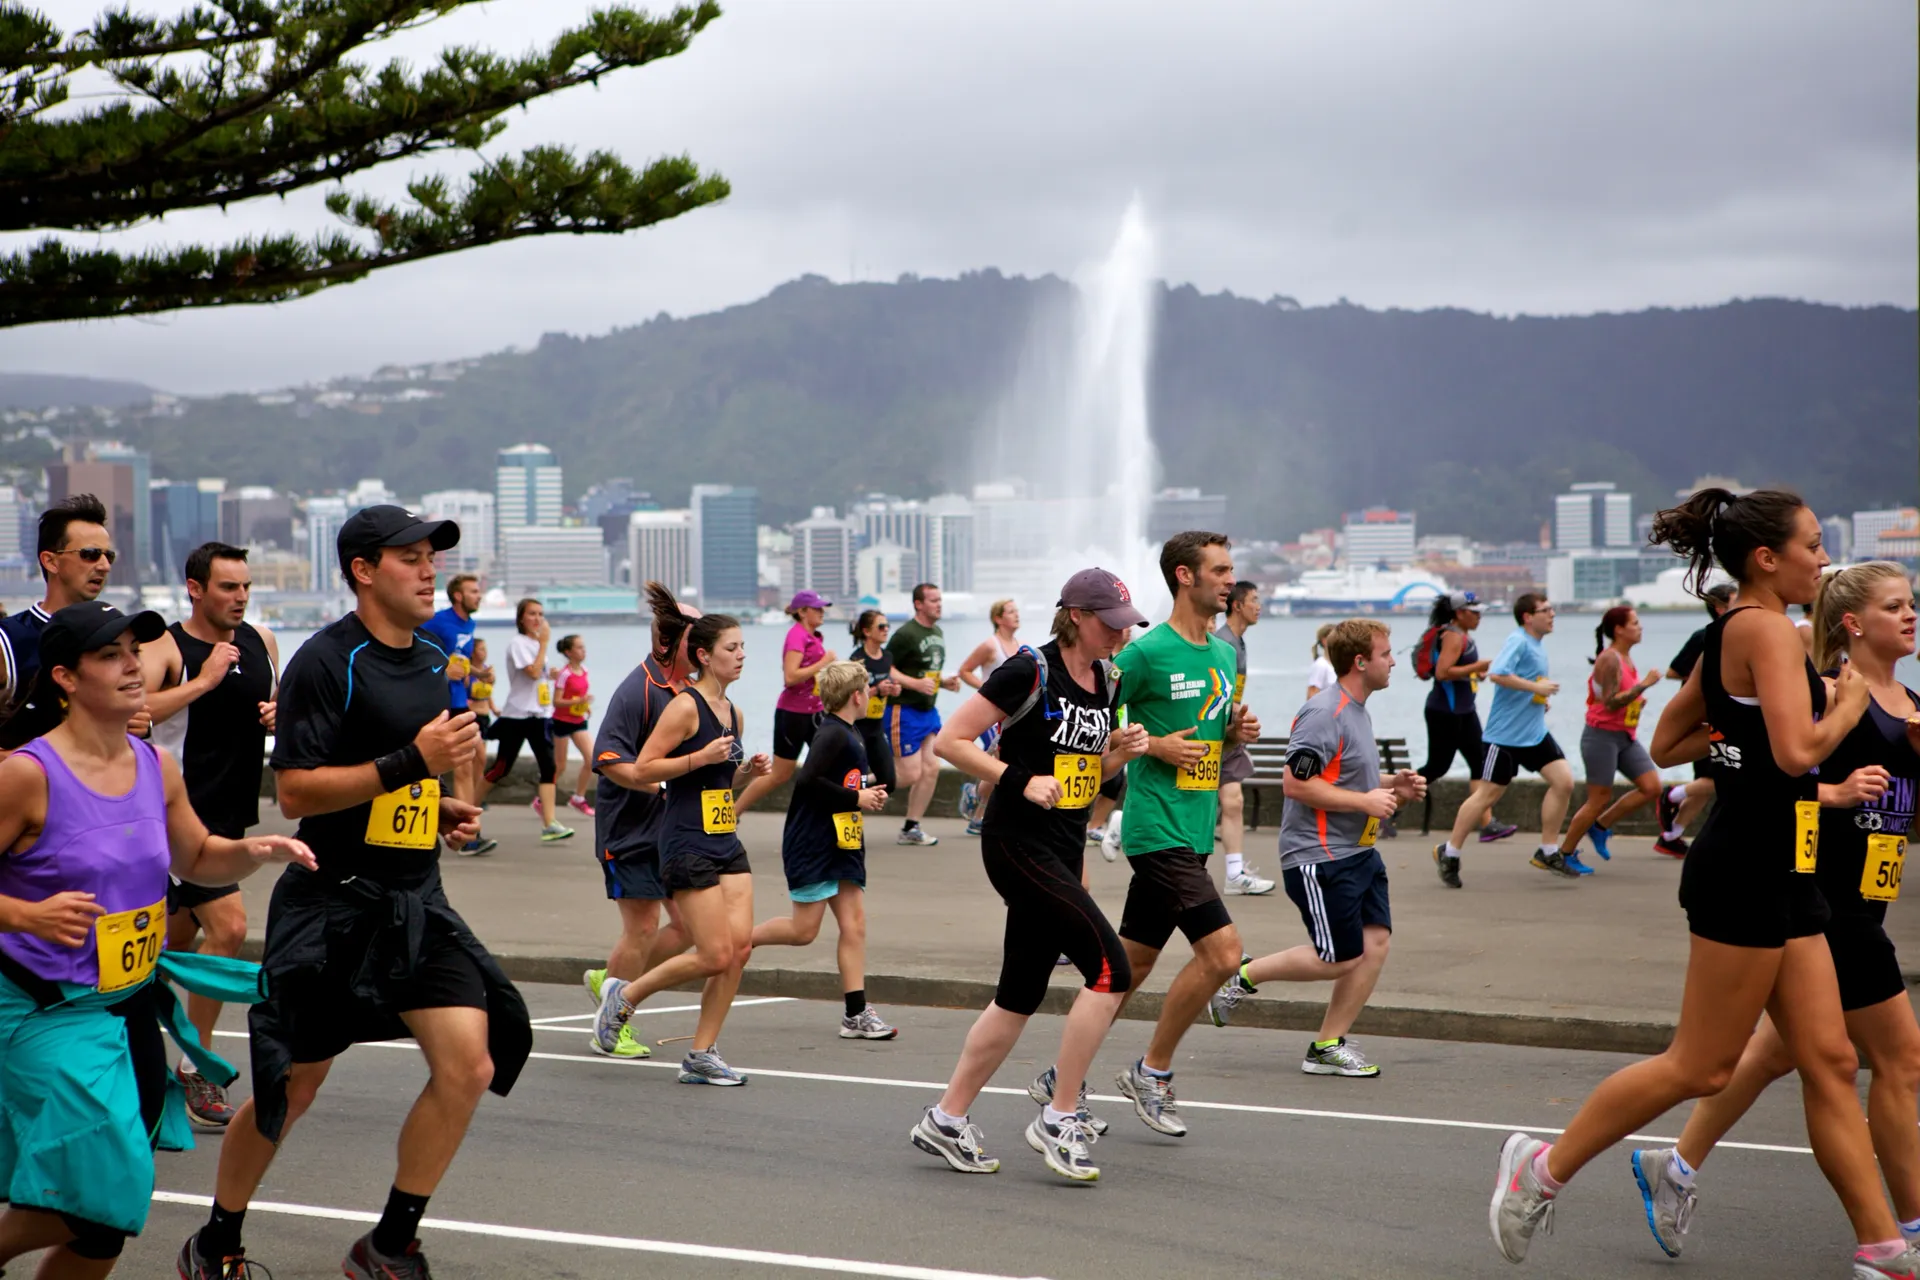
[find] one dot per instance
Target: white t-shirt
(523, 691)
(1321, 676)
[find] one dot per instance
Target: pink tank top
(1624, 719)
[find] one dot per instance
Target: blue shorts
(990, 740)
(1338, 900)
(908, 728)
(633, 875)
(819, 892)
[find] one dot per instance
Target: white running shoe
(1520, 1205)
(866, 1025)
(1669, 1202)
(1110, 839)
(1249, 882)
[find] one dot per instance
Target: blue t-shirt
(455, 636)
(1515, 719)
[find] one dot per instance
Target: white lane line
(551, 1024)
(1244, 1108)
(806, 1262)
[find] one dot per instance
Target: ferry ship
(1356, 591)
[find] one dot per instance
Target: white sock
(1550, 848)
(1910, 1229)
(946, 1121)
(1677, 793)
(1056, 1118)
(1236, 863)
(1674, 834)
(1683, 1172)
(1449, 851)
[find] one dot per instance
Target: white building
(472, 510)
(880, 570)
(660, 549)
(324, 518)
(532, 557)
(1379, 536)
(1869, 525)
(1592, 517)
(823, 552)
(527, 490)
(11, 507)
(948, 555)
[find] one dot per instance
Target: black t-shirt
(1063, 736)
(222, 741)
(824, 837)
(1845, 834)
(1689, 656)
(623, 818)
(347, 699)
(874, 707)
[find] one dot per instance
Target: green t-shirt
(1167, 683)
(917, 651)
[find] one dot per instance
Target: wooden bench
(1270, 763)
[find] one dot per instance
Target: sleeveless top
(1000, 657)
(114, 847)
(698, 817)
(1454, 696)
(572, 687)
(1621, 719)
(218, 738)
(1855, 884)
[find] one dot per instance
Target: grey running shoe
(866, 1025)
(1227, 999)
(235, 1266)
(1551, 860)
(1669, 1203)
(1064, 1147)
(1152, 1099)
(1497, 831)
(1249, 882)
(1041, 1091)
(1337, 1059)
(206, 1101)
(960, 1148)
(474, 848)
(554, 831)
(1904, 1267)
(916, 836)
(613, 1015)
(363, 1262)
(705, 1066)
(1520, 1205)
(1448, 865)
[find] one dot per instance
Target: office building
(1592, 517)
(256, 516)
(1869, 525)
(726, 546)
(1379, 537)
(472, 510)
(13, 546)
(1177, 510)
(948, 556)
(1597, 577)
(660, 549)
(118, 476)
(1836, 536)
(879, 571)
(325, 515)
(526, 490)
(823, 551)
(185, 515)
(533, 557)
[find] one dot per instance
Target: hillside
(1295, 413)
(38, 390)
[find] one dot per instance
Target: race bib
(458, 666)
(935, 677)
(876, 705)
(849, 832)
(128, 945)
(1239, 688)
(543, 694)
(1203, 774)
(1806, 835)
(406, 817)
(481, 689)
(716, 812)
(1079, 779)
(1880, 880)
(1370, 833)
(1473, 684)
(1539, 699)
(1633, 712)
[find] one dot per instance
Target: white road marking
(1244, 1108)
(551, 1024)
(806, 1262)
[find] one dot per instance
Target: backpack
(1039, 689)
(1427, 653)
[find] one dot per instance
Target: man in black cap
(367, 947)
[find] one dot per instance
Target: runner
(695, 750)
(824, 848)
(1243, 611)
(1059, 737)
(572, 705)
(1611, 743)
(1517, 739)
(525, 717)
(1681, 803)
(870, 651)
(1177, 683)
(1448, 656)
(366, 946)
(981, 663)
(210, 687)
(1757, 926)
(1320, 676)
(1864, 614)
(76, 555)
(917, 648)
(92, 824)
(1336, 804)
(797, 711)
(452, 628)
(480, 689)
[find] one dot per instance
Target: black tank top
(1455, 696)
(698, 818)
(1853, 884)
(218, 739)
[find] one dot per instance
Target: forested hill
(819, 392)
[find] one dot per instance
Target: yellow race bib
(1203, 774)
(849, 832)
(480, 689)
(543, 694)
(458, 667)
(1633, 712)
(127, 944)
(876, 705)
(1079, 779)
(1239, 688)
(1806, 835)
(406, 817)
(1880, 880)
(1370, 833)
(716, 812)
(1473, 684)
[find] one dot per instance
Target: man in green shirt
(918, 650)
(1178, 682)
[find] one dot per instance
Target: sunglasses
(91, 554)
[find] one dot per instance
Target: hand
(951, 684)
(1868, 782)
(873, 799)
(888, 688)
(1043, 790)
(1651, 679)
(758, 765)
(1245, 726)
(1850, 690)
(544, 630)
(141, 725)
(1913, 734)
(459, 822)
(1546, 688)
(720, 749)
(829, 656)
(65, 918)
(1130, 741)
(1409, 784)
(1177, 748)
(268, 710)
(1380, 803)
(448, 742)
(215, 668)
(278, 849)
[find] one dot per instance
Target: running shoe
(1550, 860)
(626, 1046)
(1572, 862)
(593, 980)
(1904, 1267)
(1152, 1099)
(1669, 1203)
(1063, 960)
(1064, 1147)
(612, 1016)
(969, 806)
(705, 1066)
(1338, 1059)
(206, 1101)
(474, 848)
(1227, 999)
(916, 836)
(235, 1266)
(1666, 809)
(1600, 835)
(1041, 1091)
(364, 1262)
(960, 1148)
(554, 831)
(1520, 1205)
(1497, 831)
(973, 827)
(867, 1025)
(1674, 848)
(1110, 839)
(1249, 882)
(1096, 834)
(1448, 865)
(580, 803)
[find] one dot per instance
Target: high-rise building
(325, 515)
(186, 514)
(1836, 534)
(948, 558)
(1177, 510)
(533, 557)
(879, 570)
(660, 549)
(1379, 536)
(527, 490)
(823, 552)
(1869, 525)
(1592, 517)
(254, 515)
(726, 546)
(118, 476)
(472, 510)
(12, 547)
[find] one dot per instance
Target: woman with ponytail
(1754, 910)
(1610, 743)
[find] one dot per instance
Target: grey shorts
(1236, 766)
(1604, 752)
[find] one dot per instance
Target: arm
(66, 918)
(754, 765)
(1681, 737)
(1317, 793)
(821, 772)
(203, 858)
(1314, 740)
(1798, 741)
(446, 743)
(1448, 665)
(981, 655)
(677, 724)
(913, 684)
(1606, 674)
(795, 673)
(537, 669)
(956, 743)
(160, 672)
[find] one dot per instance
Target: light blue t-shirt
(1515, 719)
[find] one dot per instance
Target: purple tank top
(114, 847)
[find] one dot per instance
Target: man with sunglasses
(76, 555)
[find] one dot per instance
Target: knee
(1900, 1068)
(1831, 1058)
(805, 931)
(716, 958)
(469, 1076)
(302, 1089)
(1378, 945)
(225, 933)
(1649, 788)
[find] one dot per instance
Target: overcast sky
(1578, 156)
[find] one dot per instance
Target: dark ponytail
(1714, 526)
(1610, 623)
(1442, 613)
(669, 623)
(860, 624)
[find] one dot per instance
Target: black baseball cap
(82, 628)
(1103, 595)
(370, 528)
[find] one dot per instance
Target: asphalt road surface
(597, 1169)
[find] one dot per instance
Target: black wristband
(401, 768)
(1016, 777)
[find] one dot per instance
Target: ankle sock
(399, 1224)
(1548, 1183)
(1547, 850)
(220, 1238)
(1910, 1229)
(946, 1121)
(1683, 1172)
(1056, 1118)
(1883, 1251)
(1677, 793)
(1245, 981)
(1328, 1044)
(1449, 851)
(910, 824)
(1155, 1073)
(1236, 863)
(856, 1001)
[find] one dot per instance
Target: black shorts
(510, 731)
(696, 871)
(1504, 763)
(182, 896)
(1338, 900)
(1115, 788)
(1732, 896)
(1048, 915)
(792, 731)
(1865, 962)
(1171, 890)
(482, 719)
(567, 728)
(1451, 732)
(633, 875)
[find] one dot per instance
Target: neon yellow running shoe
(626, 1049)
(594, 978)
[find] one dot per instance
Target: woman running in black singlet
(870, 651)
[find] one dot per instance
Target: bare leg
(1553, 809)
(796, 930)
(1352, 989)
(546, 804)
(583, 785)
(1890, 1039)
(245, 1152)
(1699, 796)
(1215, 957)
(989, 1041)
(1646, 789)
(639, 926)
(223, 929)
(1597, 797)
(850, 914)
(921, 794)
(29, 1231)
(717, 997)
(1141, 961)
(1472, 815)
(455, 1044)
(781, 772)
(1233, 827)
(705, 918)
(1087, 1025)
(1765, 1060)
(560, 741)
